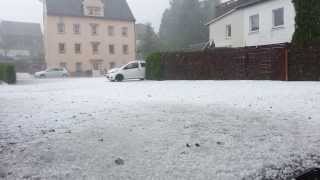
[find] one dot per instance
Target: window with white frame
(76, 28)
(110, 30)
(111, 49)
(228, 31)
(95, 47)
(77, 48)
(61, 28)
(94, 29)
(124, 32)
(278, 17)
(63, 65)
(125, 49)
(62, 48)
(254, 22)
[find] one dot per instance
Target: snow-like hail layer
(89, 128)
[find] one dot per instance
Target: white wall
(239, 20)
(218, 30)
(267, 34)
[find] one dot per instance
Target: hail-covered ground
(89, 128)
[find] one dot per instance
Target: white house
(242, 23)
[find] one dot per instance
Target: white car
(52, 73)
(132, 70)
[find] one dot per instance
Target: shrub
(154, 67)
(307, 22)
(8, 73)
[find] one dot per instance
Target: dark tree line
(148, 40)
(307, 21)
(183, 24)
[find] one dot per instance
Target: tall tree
(5, 43)
(182, 24)
(307, 21)
(210, 8)
(148, 41)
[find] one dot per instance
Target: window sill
(228, 38)
(253, 32)
(94, 15)
(274, 28)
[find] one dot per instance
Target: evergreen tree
(184, 22)
(210, 8)
(182, 25)
(307, 21)
(149, 42)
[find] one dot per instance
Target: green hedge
(8, 73)
(154, 68)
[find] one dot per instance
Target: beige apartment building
(88, 35)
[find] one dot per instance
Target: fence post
(286, 64)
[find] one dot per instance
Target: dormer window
(94, 11)
(94, 8)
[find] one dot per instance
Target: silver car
(52, 73)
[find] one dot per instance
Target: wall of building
(85, 38)
(218, 30)
(267, 34)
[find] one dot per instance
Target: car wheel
(65, 75)
(119, 77)
(42, 76)
(142, 79)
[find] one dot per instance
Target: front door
(96, 68)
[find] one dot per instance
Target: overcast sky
(31, 10)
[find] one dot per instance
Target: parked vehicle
(52, 73)
(132, 70)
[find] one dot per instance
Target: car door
(50, 73)
(59, 72)
(55, 72)
(131, 71)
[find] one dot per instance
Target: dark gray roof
(113, 9)
(20, 28)
(231, 5)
